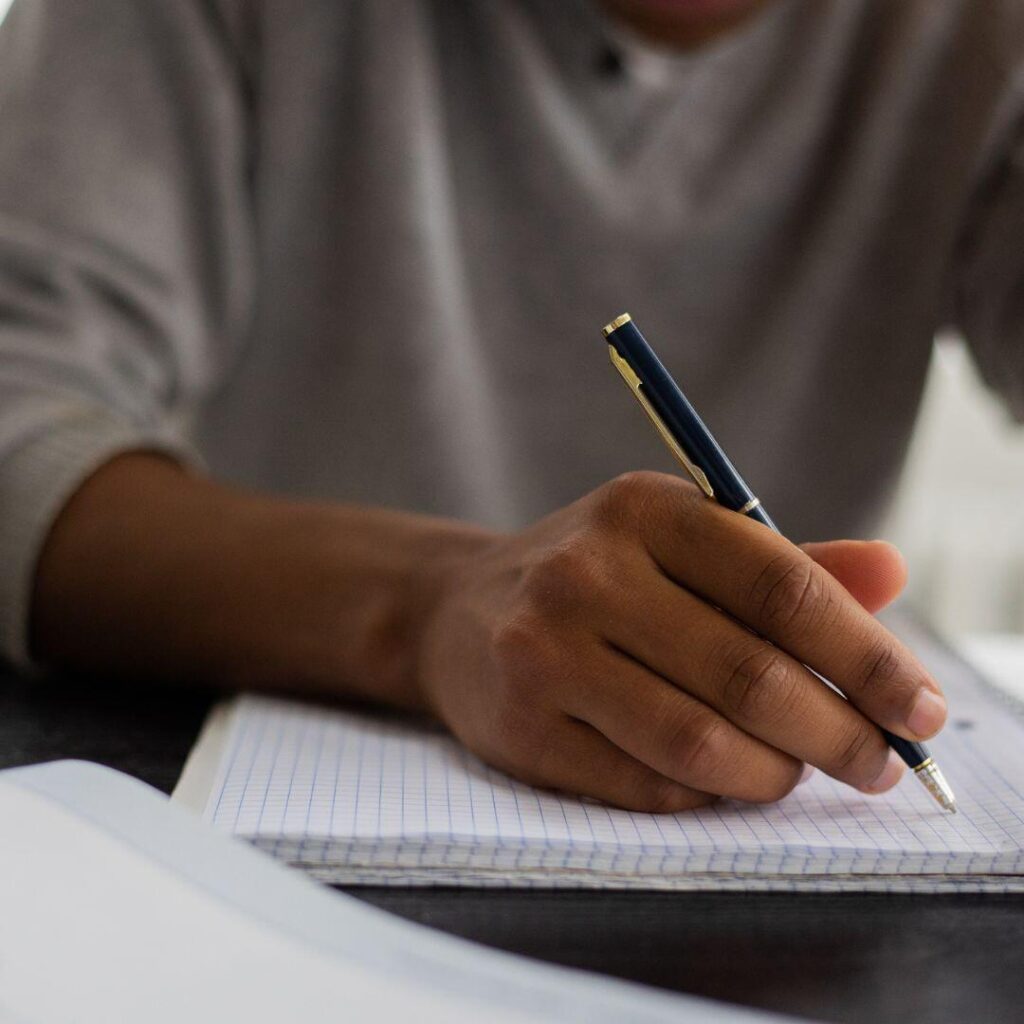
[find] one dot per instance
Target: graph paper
(357, 798)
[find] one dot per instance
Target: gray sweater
(363, 249)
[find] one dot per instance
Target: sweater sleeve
(125, 249)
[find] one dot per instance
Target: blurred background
(959, 513)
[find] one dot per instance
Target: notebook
(118, 908)
(360, 798)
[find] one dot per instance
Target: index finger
(771, 586)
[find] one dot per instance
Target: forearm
(151, 571)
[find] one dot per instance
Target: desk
(851, 957)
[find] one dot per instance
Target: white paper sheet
(119, 908)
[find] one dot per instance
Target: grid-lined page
(362, 797)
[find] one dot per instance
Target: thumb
(873, 571)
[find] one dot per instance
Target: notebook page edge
(205, 761)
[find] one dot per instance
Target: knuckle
(567, 575)
(788, 594)
(700, 747)
(622, 501)
(513, 638)
(851, 749)
(879, 669)
(630, 503)
(758, 686)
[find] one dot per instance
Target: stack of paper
(357, 798)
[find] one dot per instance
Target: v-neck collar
(656, 66)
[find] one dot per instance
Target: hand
(647, 647)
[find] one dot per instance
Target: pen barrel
(913, 754)
(758, 513)
(690, 434)
(682, 420)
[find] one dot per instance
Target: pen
(701, 456)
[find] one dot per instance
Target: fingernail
(927, 715)
(805, 774)
(888, 776)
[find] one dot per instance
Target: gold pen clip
(633, 382)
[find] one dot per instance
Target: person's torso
(451, 200)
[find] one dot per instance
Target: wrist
(376, 611)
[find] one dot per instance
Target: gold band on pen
(616, 324)
(750, 506)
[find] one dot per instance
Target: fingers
(774, 588)
(578, 759)
(678, 736)
(874, 572)
(648, 648)
(757, 687)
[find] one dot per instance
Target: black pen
(701, 456)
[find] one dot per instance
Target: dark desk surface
(847, 957)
